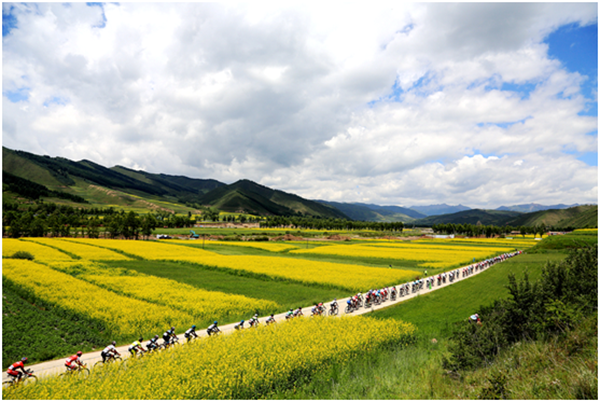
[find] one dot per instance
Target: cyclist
(289, 314)
(213, 329)
(74, 362)
(136, 346)
(349, 303)
(475, 319)
(270, 320)
(315, 309)
(254, 320)
(190, 332)
(152, 343)
(109, 352)
(240, 325)
(298, 312)
(13, 372)
(168, 335)
(334, 305)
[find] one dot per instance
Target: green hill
(471, 216)
(249, 197)
(139, 190)
(582, 216)
(374, 213)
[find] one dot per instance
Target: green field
(287, 295)
(434, 313)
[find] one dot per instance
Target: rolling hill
(471, 216)
(123, 187)
(439, 209)
(581, 216)
(375, 213)
(578, 217)
(250, 197)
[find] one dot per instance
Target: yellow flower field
(41, 253)
(149, 250)
(123, 316)
(262, 245)
(440, 255)
(516, 242)
(347, 276)
(82, 250)
(201, 304)
(238, 366)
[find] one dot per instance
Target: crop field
(242, 365)
(268, 246)
(433, 256)
(347, 276)
(121, 289)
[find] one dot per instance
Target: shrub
(23, 255)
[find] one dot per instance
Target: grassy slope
(580, 216)
(435, 312)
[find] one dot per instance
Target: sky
(479, 104)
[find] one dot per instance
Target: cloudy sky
(474, 103)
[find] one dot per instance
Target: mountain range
(86, 181)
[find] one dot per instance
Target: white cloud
(280, 95)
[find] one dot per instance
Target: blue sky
(480, 104)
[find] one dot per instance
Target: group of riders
(16, 371)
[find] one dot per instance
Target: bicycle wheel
(32, 379)
(8, 383)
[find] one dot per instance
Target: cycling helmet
(155, 336)
(215, 323)
(172, 328)
(79, 353)
(114, 343)
(193, 326)
(24, 359)
(241, 322)
(141, 339)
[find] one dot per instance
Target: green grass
(40, 332)
(434, 313)
(287, 295)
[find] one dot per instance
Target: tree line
(471, 230)
(305, 222)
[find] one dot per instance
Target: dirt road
(54, 367)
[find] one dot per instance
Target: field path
(54, 367)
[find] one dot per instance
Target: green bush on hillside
(23, 255)
(566, 293)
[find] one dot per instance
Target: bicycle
(81, 371)
(334, 310)
(28, 378)
(111, 358)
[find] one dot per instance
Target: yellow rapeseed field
(149, 250)
(41, 253)
(347, 276)
(436, 256)
(122, 315)
(82, 250)
(242, 365)
(262, 245)
(516, 242)
(203, 305)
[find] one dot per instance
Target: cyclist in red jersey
(74, 362)
(13, 369)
